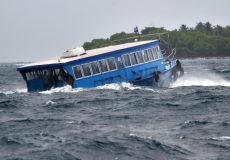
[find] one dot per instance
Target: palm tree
(208, 27)
(199, 27)
(183, 28)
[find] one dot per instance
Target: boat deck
(89, 53)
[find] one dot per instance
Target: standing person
(136, 31)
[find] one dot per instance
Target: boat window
(111, 63)
(126, 60)
(119, 63)
(86, 69)
(29, 76)
(77, 72)
(103, 65)
(95, 68)
(154, 53)
(58, 74)
(47, 76)
(133, 58)
(150, 54)
(46, 73)
(146, 58)
(37, 74)
(159, 52)
(139, 57)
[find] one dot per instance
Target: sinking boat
(139, 63)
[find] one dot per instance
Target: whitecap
(8, 92)
(70, 122)
(113, 86)
(124, 85)
(222, 138)
(65, 89)
(50, 102)
(201, 79)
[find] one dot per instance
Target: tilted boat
(139, 63)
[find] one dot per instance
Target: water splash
(119, 86)
(65, 89)
(113, 86)
(8, 92)
(222, 138)
(201, 79)
(50, 102)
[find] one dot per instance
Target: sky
(34, 30)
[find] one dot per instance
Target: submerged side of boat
(140, 63)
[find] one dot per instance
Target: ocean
(190, 120)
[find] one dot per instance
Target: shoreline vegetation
(204, 40)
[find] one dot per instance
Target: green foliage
(153, 30)
(204, 40)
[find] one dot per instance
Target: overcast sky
(32, 30)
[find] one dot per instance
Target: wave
(202, 79)
(221, 138)
(50, 102)
(119, 86)
(8, 92)
(113, 86)
(153, 144)
(194, 123)
(65, 89)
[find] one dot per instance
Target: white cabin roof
(89, 53)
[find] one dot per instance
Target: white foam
(50, 102)
(222, 138)
(119, 86)
(65, 89)
(8, 92)
(113, 86)
(202, 79)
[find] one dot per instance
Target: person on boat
(136, 31)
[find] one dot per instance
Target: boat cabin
(134, 62)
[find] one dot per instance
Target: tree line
(203, 40)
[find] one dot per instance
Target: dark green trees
(204, 40)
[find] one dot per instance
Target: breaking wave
(205, 79)
(8, 92)
(221, 138)
(113, 86)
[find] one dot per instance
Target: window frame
(98, 65)
(130, 54)
(146, 53)
(82, 73)
(124, 62)
(107, 61)
(106, 65)
(141, 54)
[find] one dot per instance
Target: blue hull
(141, 64)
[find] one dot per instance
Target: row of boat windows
(111, 64)
(44, 73)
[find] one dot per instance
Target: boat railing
(139, 37)
(172, 54)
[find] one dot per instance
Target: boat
(138, 62)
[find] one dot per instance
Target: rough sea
(190, 120)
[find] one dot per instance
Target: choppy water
(190, 120)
